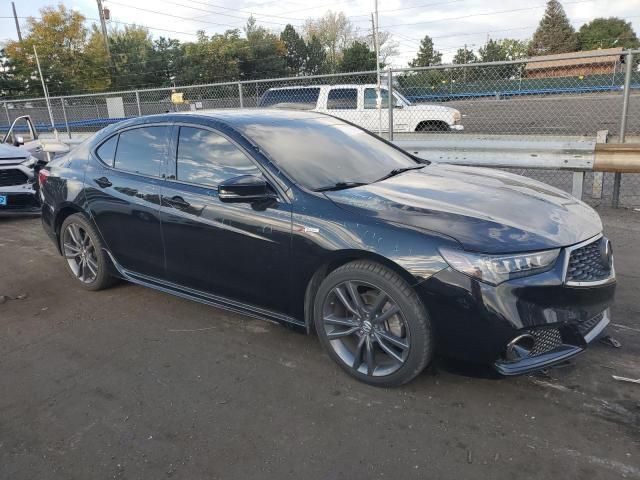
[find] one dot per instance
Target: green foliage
(607, 33)
(264, 56)
(10, 85)
(70, 59)
(427, 55)
(295, 50)
(358, 58)
(554, 33)
(316, 61)
(464, 56)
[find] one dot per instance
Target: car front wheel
(372, 323)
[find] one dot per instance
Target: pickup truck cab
(358, 104)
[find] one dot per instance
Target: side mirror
(245, 189)
(19, 141)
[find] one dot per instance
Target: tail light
(43, 176)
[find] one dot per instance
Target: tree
(464, 56)
(492, 52)
(427, 55)
(296, 50)
(61, 39)
(131, 57)
(554, 33)
(607, 33)
(211, 59)
(10, 86)
(358, 58)
(515, 49)
(265, 53)
(316, 61)
(335, 33)
(387, 46)
(166, 59)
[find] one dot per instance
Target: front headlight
(29, 162)
(495, 269)
(456, 117)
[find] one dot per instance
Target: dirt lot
(132, 383)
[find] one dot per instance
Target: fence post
(64, 115)
(617, 179)
(240, 94)
(391, 102)
(6, 110)
(138, 103)
(598, 177)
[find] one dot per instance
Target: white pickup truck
(358, 104)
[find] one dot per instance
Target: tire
(432, 126)
(384, 339)
(85, 258)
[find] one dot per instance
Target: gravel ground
(129, 383)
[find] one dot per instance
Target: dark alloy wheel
(81, 247)
(373, 324)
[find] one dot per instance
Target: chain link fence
(575, 95)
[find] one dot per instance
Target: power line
(499, 12)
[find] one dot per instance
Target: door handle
(103, 182)
(178, 201)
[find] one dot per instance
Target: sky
(451, 23)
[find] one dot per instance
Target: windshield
(401, 97)
(320, 151)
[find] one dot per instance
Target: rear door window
(303, 98)
(208, 158)
(143, 150)
(342, 99)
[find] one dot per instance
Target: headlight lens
(29, 162)
(495, 269)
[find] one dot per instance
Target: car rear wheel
(85, 257)
(372, 323)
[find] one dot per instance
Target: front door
(236, 250)
(122, 189)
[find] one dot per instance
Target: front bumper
(21, 200)
(474, 321)
(572, 345)
(456, 128)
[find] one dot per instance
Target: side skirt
(207, 298)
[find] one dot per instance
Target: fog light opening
(520, 347)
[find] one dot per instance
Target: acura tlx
(310, 221)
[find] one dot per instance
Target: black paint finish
(260, 258)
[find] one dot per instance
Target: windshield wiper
(397, 171)
(339, 186)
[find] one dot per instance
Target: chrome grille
(585, 263)
(11, 177)
(546, 339)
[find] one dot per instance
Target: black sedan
(306, 220)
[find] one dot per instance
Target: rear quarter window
(107, 151)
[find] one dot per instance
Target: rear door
(237, 250)
(342, 102)
(122, 186)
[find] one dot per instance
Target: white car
(358, 104)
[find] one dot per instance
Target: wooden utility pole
(103, 25)
(15, 17)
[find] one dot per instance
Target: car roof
(234, 116)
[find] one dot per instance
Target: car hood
(486, 210)
(430, 108)
(9, 152)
